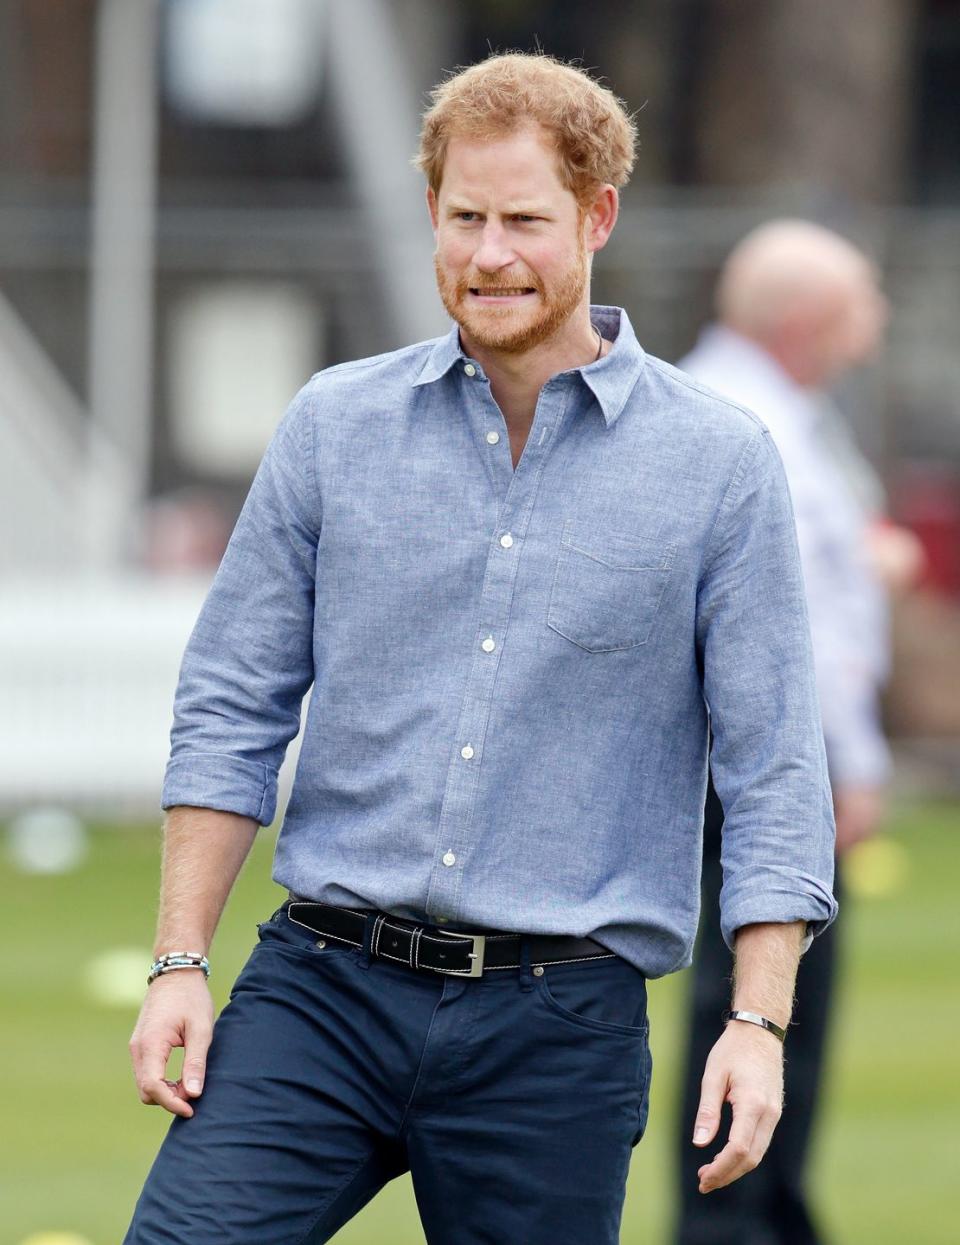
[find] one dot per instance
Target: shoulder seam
(353, 365)
(752, 448)
(314, 478)
(681, 378)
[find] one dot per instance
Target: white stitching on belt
(400, 959)
(394, 929)
(378, 925)
(447, 942)
(610, 955)
(338, 937)
(315, 903)
(415, 948)
(352, 911)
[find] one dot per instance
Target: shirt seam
(356, 365)
(747, 455)
(704, 390)
(313, 484)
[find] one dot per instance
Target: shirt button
(489, 644)
(493, 438)
(449, 859)
(466, 752)
(506, 540)
(470, 369)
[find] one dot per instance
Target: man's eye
(525, 219)
(466, 216)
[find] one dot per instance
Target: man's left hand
(745, 1068)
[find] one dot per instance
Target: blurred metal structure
(57, 476)
(122, 265)
(379, 128)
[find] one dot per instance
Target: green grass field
(76, 1143)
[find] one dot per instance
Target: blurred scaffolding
(205, 201)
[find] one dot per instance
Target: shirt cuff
(771, 901)
(220, 781)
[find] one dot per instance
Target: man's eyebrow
(522, 209)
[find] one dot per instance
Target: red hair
(592, 132)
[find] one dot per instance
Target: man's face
(852, 324)
(511, 257)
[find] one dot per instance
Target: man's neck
(516, 379)
(794, 361)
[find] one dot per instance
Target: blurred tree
(817, 94)
(51, 63)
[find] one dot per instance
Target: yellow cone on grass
(55, 1238)
(876, 868)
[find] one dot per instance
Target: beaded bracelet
(178, 959)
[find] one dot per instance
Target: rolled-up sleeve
(249, 660)
(767, 759)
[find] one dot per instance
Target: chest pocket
(607, 588)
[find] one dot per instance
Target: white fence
(88, 669)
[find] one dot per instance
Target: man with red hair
(521, 565)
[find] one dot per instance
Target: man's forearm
(203, 851)
(745, 1066)
(765, 969)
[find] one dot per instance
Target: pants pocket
(602, 996)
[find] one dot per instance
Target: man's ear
(600, 217)
(432, 208)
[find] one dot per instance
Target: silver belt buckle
(475, 956)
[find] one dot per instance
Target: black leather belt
(430, 949)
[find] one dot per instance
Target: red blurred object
(184, 531)
(927, 500)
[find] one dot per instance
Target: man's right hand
(178, 1011)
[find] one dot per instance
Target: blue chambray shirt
(513, 671)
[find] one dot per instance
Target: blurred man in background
(798, 306)
(514, 563)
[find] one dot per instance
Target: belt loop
(526, 975)
(366, 957)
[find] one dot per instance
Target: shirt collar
(441, 357)
(611, 379)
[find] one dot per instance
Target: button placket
(453, 842)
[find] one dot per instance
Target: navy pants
(513, 1099)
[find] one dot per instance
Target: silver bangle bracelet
(753, 1019)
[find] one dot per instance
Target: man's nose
(494, 251)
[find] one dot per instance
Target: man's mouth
(517, 291)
